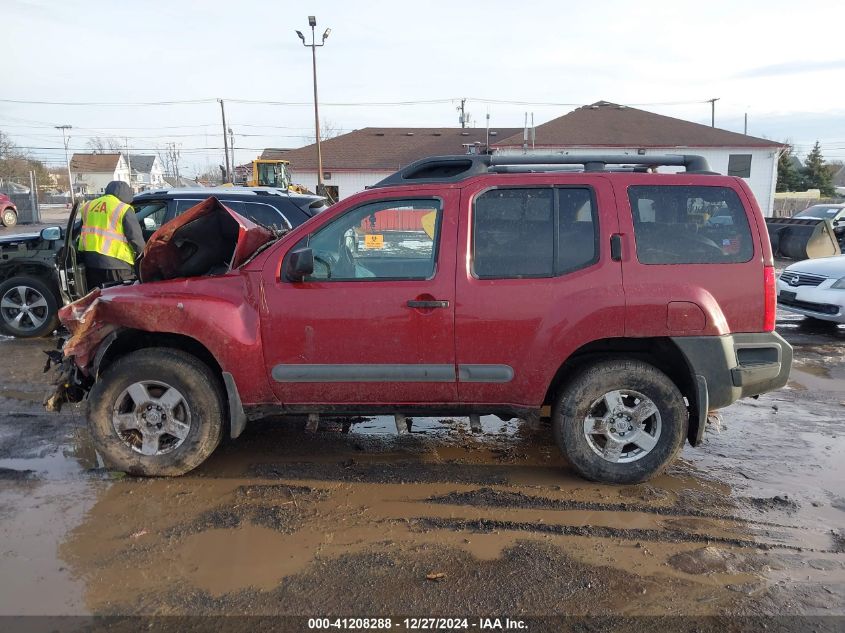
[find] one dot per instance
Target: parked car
(814, 288)
(458, 286)
(32, 290)
(8, 211)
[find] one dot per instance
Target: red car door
(692, 256)
(535, 283)
(375, 322)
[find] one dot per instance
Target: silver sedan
(814, 288)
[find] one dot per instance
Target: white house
(92, 172)
(147, 172)
(363, 157)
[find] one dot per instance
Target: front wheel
(156, 412)
(28, 308)
(9, 217)
(620, 421)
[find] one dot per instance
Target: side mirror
(51, 234)
(300, 264)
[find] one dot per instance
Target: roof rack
(447, 169)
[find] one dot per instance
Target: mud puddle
(292, 508)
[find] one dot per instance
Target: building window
(739, 165)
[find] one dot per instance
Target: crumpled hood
(828, 266)
(208, 239)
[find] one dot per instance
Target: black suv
(30, 283)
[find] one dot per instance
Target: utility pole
(713, 111)
(225, 142)
(129, 163)
(745, 127)
(66, 140)
(462, 109)
(232, 147)
(312, 22)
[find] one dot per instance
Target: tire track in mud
(594, 531)
(490, 498)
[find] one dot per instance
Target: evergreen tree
(816, 173)
(789, 178)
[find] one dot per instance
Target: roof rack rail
(447, 169)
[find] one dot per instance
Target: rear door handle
(415, 303)
(616, 247)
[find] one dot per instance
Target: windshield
(273, 175)
(820, 211)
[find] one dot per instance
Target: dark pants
(104, 277)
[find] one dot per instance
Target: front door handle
(415, 303)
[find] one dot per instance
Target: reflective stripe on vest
(102, 229)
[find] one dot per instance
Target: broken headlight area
(69, 384)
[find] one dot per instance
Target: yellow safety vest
(102, 228)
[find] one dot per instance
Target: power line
(334, 103)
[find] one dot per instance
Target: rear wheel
(9, 217)
(156, 412)
(620, 421)
(28, 308)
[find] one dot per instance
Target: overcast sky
(781, 62)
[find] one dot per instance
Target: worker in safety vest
(111, 238)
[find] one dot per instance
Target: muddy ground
(748, 529)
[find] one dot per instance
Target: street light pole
(225, 142)
(64, 128)
(312, 22)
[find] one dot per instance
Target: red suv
(631, 302)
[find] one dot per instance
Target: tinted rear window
(533, 232)
(689, 225)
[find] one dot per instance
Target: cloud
(793, 68)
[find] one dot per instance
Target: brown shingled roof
(389, 148)
(605, 124)
(98, 163)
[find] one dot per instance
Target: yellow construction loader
(271, 173)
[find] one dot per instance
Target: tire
(200, 408)
(9, 217)
(590, 391)
(42, 315)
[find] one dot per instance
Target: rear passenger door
(535, 283)
(692, 261)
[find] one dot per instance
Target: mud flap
(237, 416)
(698, 415)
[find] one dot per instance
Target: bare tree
(16, 164)
(328, 129)
(103, 145)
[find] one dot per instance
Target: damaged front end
(209, 240)
(71, 362)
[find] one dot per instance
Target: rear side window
(260, 212)
(689, 225)
(527, 232)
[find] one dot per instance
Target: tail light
(770, 307)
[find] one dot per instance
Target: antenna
(525, 135)
(533, 131)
